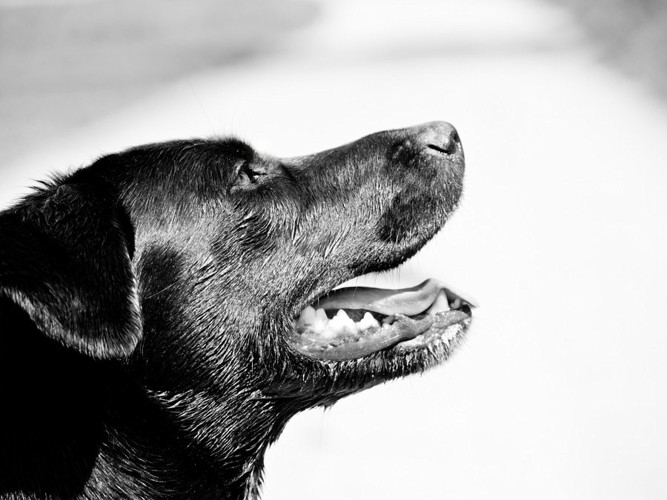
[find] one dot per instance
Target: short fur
(145, 302)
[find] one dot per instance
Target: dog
(167, 309)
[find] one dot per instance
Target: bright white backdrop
(560, 390)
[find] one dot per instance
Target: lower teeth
(315, 322)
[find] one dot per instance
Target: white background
(559, 391)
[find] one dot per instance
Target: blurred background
(560, 391)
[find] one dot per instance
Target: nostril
(438, 148)
(438, 137)
(448, 144)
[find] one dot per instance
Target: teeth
(440, 303)
(342, 317)
(388, 320)
(456, 304)
(307, 317)
(368, 321)
(340, 325)
(321, 320)
(315, 321)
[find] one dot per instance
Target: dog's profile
(166, 310)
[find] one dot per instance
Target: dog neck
(164, 432)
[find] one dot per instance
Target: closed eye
(248, 174)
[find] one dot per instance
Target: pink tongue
(408, 301)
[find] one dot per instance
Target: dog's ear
(65, 258)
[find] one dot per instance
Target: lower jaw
(447, 337)
(439, 333)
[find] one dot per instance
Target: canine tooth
(346, 321)
(368, 321)
(439, 304)
(321, 320)
(340, 325)
(307, 317)
(457, 303)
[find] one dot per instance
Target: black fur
(145, 302)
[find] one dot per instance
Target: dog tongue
(407, 301)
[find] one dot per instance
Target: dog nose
(438, 136)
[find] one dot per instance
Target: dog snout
(440, 137)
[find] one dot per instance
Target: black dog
(156, 328)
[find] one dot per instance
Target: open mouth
(353, 322)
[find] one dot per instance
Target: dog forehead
(187, 191)
(169, 180)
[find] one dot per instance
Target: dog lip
(410, 312)
(403, 330)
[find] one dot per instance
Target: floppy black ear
(65, 258)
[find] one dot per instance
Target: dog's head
(208, 269)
